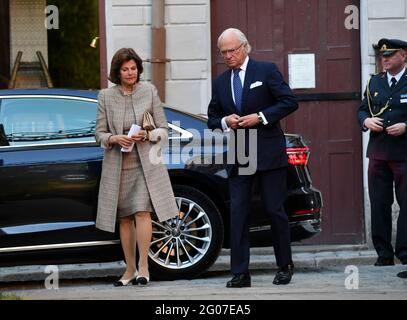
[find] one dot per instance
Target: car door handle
(75, 177)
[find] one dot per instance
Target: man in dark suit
(252, 95)
(384, 113)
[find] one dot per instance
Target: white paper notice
(133, 130)
(301, 71)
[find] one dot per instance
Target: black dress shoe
(284, 275)
(125, 282)
(239, 280)
(403, 260)
(142, 280)
(381, 262)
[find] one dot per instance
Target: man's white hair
(240, 35)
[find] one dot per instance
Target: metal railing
(17, 63)
(40, 67)
(45, 69)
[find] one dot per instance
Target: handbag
(148, 121)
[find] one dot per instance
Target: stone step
(316, 259)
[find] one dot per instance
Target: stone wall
(386, 19)
(187, 24)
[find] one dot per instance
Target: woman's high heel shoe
(142, 280)
(125, 282)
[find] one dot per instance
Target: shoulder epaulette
(380, 74)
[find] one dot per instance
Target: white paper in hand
(133, 130)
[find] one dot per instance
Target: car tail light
(308, 211)
(298, 156)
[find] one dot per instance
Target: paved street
(308, 283)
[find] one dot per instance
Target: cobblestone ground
(365, 282)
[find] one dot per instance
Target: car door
(49, 172)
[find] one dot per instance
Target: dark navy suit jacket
(381, 145)
(273, 97)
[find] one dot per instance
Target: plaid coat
(110, 116)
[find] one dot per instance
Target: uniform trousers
(382, 174)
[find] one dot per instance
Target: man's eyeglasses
(231, 52)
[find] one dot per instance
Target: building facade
(341, 61)
(191, 49)
(187, 24)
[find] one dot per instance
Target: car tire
(188, 245)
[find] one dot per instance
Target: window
(46, 120)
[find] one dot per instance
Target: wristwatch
(260, 118)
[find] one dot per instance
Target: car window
(46, 120)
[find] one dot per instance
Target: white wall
(379, 19)
(187, 23)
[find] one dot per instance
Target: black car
(50, 169)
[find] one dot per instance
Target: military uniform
(387, 156)
(390, 105)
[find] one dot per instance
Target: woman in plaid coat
(136, 183)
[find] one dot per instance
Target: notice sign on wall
(301, 71)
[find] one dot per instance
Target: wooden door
(4, 44)
(327, 115)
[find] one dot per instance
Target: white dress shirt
(242, 75)
(397, 76)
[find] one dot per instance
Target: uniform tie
(393, 82)
(237, 89)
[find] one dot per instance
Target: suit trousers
(273, 186)
(381, 175)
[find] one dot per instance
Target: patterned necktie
(393, 82)
(237, 89)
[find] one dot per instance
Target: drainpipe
(158, 45)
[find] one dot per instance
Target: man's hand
(232, 121)
(249, 121)
(374, 124)
(396, 129)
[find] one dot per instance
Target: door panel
(326, 120)
(48, 189)
(49, 170)
(5, 44)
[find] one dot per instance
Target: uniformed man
(384, 113)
